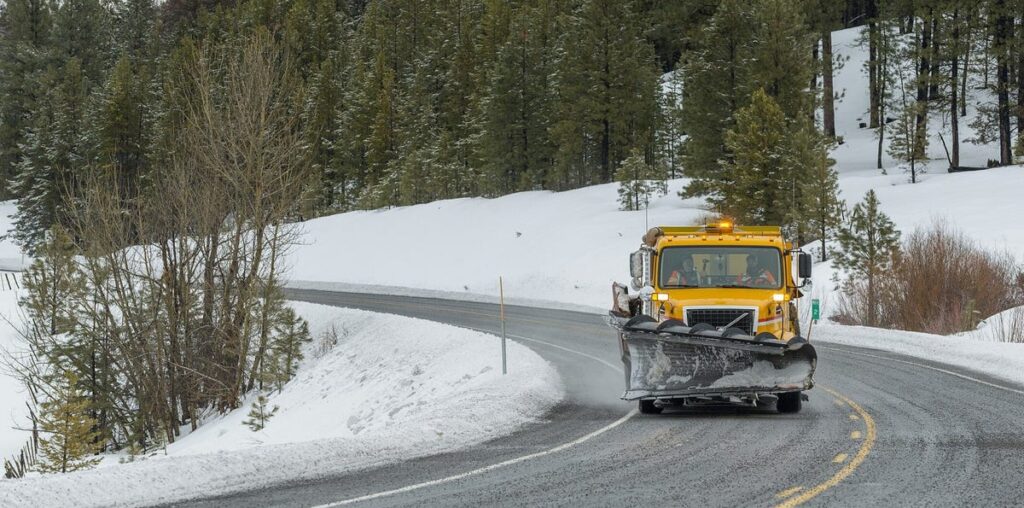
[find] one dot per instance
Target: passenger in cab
(756, 274)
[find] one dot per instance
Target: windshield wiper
(741, 286)
(682, 286)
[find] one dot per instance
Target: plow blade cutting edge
(672, 360)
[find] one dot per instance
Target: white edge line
(929, 367)
(486, 469)
(556, 346)
(492, 467)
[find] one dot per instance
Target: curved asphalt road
(879, 430)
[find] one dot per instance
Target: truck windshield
(725, 267)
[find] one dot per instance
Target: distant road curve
(879, 430)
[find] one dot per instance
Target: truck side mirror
(805, 265)
(636, 268)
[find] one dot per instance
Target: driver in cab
(756, 274)
(685, 274)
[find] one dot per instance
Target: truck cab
(725, 276)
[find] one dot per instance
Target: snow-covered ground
(11, 257)
(998, 360)
(566, 247)
(392, 388)
(13, 412)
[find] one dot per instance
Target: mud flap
(670, 359)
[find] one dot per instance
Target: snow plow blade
(672, 360)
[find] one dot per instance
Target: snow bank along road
(880, 429)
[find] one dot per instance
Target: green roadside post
(815, 314)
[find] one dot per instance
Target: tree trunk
(933, 74)
(913, 167)
(967, 67)
(269, 285)
(871, 298)
(1001, 45)
(814, 58)
(881, 127)
(954, 118)
(871, 13)
(828, 93)
(1020, 85)
(873, 74)
(923, 68)
(881, 141)
(823, 232)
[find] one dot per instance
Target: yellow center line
(853, 416)
(850, 467)
(840, 458)
(788, 492)
(855, 434)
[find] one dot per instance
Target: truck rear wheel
(647, 407)
(789, 402)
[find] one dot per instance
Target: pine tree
(607, 91)
(53, 156)
(670, 126)
(716, 85)
(869, 240)
(291, 333)
(318, 42)
(70, 432)
(314, 32)
(757, 192)
(904, 139)
(349, 138)
(1002, 12)
(515, 145)
(382, 144)
(824, 17)
(25, 27)
(670, 25)
(121, 127)
(783, 66)
(51, 282)
(258, 414)
(908, 143)
(321, 115)
(82, 31)
(133, 28)
(638, 181)
(822, 207)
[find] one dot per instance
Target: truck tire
(789, 402)
(647, 407)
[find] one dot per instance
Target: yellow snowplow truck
(713, 319)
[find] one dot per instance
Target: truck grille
(722, 317)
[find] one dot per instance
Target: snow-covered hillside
(859, 152)
(392, 388)
(568, 247)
